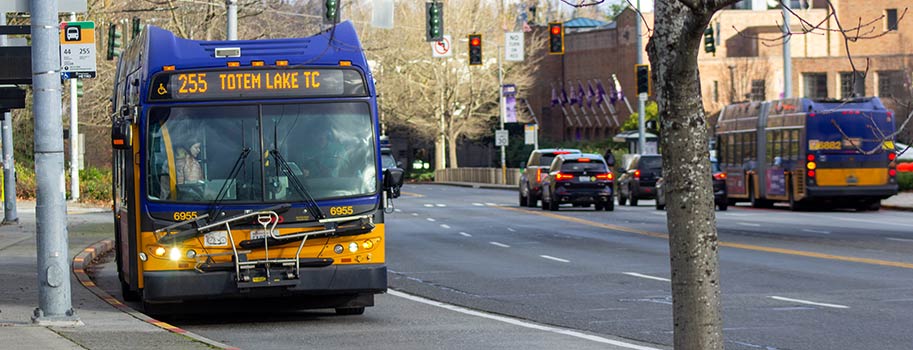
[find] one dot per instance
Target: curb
(896, 207)
(87, 257)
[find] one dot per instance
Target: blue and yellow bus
(809, 153)
(249, 169)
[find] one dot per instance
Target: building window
(758, 90)
(891, 19)
(815, 85)
(716, 91)
(846, 84)
(891, 83)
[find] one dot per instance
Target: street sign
(501, 137)
(443, 48)
(77, 50)
(529, 133)
(23, 6)
(513, 44)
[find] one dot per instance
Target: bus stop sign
(77, 49)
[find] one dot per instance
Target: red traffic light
(475, 41)
(555, 29)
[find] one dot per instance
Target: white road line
(414, 214)
(428, 205)
(635, 274)
(733, 214)
(445, 226)
(499, 244)
(899, 239)
(809, 302)
(658, 212)
(398, 210)
(749, 224)
(478, 204)
(465, 234)
(511, 230)
(554, 258)
(521, 323)
(817, 231)
(491, 204)
(440, 205)
(430, 219)
(873, 221)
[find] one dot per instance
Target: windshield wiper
(309, 201)
(235, 170)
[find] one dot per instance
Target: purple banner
(510, 102)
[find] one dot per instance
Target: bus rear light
(606, 176)
(892, 172)
(810, 157)
(811, 174)
(637, 174)
(234, 64)
(811, 165)
(168, 68)
(282, 63)
(892, 156)
(561, 177)
(811, 115)
(256, 63)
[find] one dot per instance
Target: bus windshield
(193, 151)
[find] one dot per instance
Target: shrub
(95, 184)
(905, 181)
(25, 181)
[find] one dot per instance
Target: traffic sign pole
(74, 135)
(10, 214)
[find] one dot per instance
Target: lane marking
(749, 224)
(414, 214)
(800, 301)
(721, 243)
(873, 222)
(899, 239)
(635, 274)
(445, 226)
(430, 219)
(411, 194)
(440, 205)
(398, 210)
(517, 322)
(465, 234)
(816, 231)
(478, 204)
(429, 205)
(658, 213)
(491, 204)
(554, 258)
(511, 230)
(499, 244)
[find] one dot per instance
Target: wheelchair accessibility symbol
(161, 90)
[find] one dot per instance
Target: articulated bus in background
(793, 151)
(249, 169)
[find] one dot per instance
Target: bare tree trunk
(686, 168)
(452, 151)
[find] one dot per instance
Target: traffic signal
(643, 78)
(709, 42)
(137, 27)
(475, 49)
(78, 87)
(114, 41)
(331, 15)
(434, 30)
(556, 38)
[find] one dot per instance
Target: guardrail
(477, 175)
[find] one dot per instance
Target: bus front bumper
(859, 192)
(333, 280)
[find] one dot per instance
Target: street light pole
(787, 54)
(9, 170)
(501, 113)
(642, 97)
(232, 21)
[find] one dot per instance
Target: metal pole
(501, 113)
(9, 169)
(74, 136)
(642, 139)
(232, 21)
(54, 300)
(787, 54)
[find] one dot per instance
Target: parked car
(387, 160)
(719, 188)
(579, 179)
(535, 169)
(637, 180)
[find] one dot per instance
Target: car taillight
(719, 176)
(606, 176)
(562, 177)
(637, 174)
(539, 175)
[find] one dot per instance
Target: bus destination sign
(256, 83)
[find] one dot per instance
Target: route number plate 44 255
(215, 239)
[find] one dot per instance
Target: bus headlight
(191, 254)
(143, 257)
(159, 251)
(174, 254)
(338, 249)
(367, 244)
(353, 247)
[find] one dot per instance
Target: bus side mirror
(393, 180)
(121, 134)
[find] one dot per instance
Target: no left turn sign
(442, 48)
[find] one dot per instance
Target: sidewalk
(900, 201)
(104, 327)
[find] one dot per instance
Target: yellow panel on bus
(852, 177)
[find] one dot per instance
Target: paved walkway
(104, 327)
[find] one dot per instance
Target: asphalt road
(811, 280)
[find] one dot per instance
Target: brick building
(747, 65)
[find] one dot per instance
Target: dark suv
(638, 181)
(579, 179)
(719, 188)
(536, 169)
